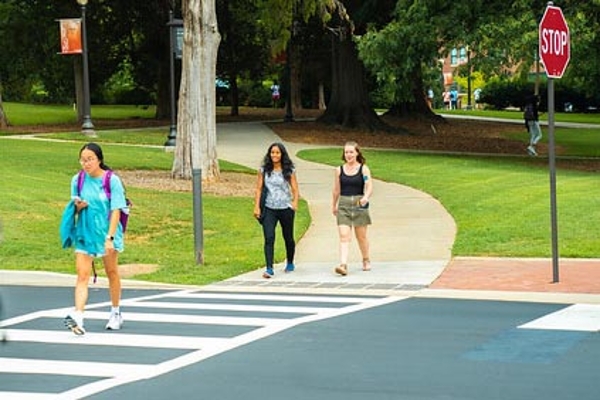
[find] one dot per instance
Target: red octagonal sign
(555, 42)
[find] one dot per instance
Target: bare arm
(336, 191)
(368, 191)
(295, 191)
(259, 186)
(115, 216)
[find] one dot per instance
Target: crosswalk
(162, 333)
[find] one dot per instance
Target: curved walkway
(411, 236)
(411, 240)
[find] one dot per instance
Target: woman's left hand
(109, 245)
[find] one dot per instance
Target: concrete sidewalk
(411, 236)
(411, 240)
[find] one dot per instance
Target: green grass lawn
(501, 205)
(582, 118)
(35, 188)
(22, 114)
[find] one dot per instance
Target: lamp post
(175, 50)
(87, 127)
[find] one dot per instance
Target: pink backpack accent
(124, 218)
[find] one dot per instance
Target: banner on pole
(70, 36)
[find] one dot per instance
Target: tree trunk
(296, 77)
(3, 119)
(419, 107)
(234, 96)
(163, 96)
(196, 145)
(349, 105)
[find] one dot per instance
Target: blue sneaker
(268, 273)
(289, 268)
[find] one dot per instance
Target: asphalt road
(225, 345)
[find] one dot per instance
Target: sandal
(342, 270)
(366, 264)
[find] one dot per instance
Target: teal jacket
(72, 228)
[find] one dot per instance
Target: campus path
(411, 240)
(411, 236)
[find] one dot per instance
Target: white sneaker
(74, 324)
(115, 321)
(531, 151)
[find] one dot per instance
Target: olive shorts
(350, 213)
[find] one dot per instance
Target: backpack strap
(106, 183)
(80, 179)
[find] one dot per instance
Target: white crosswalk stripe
(240, 318)
(577, 317)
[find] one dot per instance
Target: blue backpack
(124, 218)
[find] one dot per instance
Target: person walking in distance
(97, 232)
(278, 176)
(352, 189)
(532, 123)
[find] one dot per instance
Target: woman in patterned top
(278, 176)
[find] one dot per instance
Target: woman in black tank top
(352, 189)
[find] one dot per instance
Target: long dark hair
(287, 165)
(94, 147)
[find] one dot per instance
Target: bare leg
(111, 267)
(83, 265)
(345, 237)
(363, 243)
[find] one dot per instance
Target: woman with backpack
(98, 198)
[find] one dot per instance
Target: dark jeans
(286, 220)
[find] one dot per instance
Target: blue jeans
(535, 132)
(286, 220)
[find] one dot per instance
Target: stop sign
(555, 42)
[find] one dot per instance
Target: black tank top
(352, 185)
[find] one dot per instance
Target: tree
(243, 49)
(350, 106)
(196, 146)
(406, 50)
(3, 118)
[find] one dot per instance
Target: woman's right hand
(80, 204)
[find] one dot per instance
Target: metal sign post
(555, 52)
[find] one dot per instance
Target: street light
(87, 127)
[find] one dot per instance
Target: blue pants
(535, 132)
(286, 220)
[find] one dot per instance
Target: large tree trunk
(349, 105)
(234, 96)
(3, 119)
(419, 107)
(196, 145)
(163, 95)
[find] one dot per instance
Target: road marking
(108, 339)
(201, 348)
(578, 317)
(226, 307)
(73, 368)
